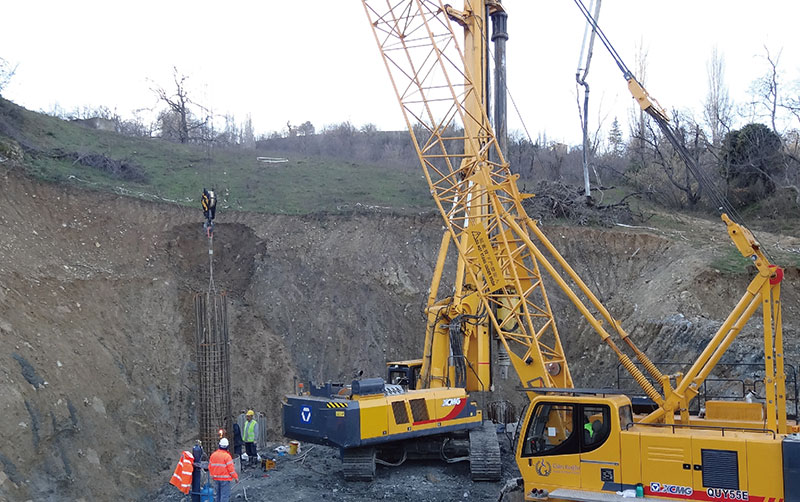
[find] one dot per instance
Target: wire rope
(721, 202)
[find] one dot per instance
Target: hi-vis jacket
(182, 477)
(249, 432)
(220, 466)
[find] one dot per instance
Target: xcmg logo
(451, 401)
(674, 489)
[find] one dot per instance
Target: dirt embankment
(96, 320)
(96, 325)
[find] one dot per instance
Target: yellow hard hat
(250, 413)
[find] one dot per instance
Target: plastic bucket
(293, 445)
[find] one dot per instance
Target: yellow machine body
(415, 413)
(560, 459)
(373, 414)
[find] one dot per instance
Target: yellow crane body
(579, 447)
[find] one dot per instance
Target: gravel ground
(316, 474)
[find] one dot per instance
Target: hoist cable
(704, 180)
(611, 50)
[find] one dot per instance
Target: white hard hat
(223, 443)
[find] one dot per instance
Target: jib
(452, 401)
(721, 493)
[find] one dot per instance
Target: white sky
(316, 60)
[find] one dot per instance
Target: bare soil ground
(96, 329)
(316, 474)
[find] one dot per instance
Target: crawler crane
(578, 445)
(430, 407)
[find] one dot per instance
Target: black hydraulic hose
(457, 348)
(456, 334)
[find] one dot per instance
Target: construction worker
(237, 444)
(209, 203)
(249, 435)
(222, 471)
(182, 477)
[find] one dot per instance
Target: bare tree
(766, 90)
(7, 71)
(718, 108)
(792, 103)
(638, 122)
(137, 125)
(306, 128)
(681, 178)
(180, 105)
(230, 134)
(248, 137)
(640, 127)
(292, 131)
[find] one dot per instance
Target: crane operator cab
(404, 373)
(573, 442)
(586, 447)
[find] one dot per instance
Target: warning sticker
(482, 249)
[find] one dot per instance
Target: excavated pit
(96, 320)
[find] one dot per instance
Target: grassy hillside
(62, 151)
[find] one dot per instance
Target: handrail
(705, 394)
(722, 429)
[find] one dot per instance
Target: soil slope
(96, 319)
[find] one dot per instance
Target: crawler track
(359, 464)
(484, 453)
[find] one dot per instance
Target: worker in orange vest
(222, 471)
(182, 477)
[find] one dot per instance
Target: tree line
(747, 164)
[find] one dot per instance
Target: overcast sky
(316, 60)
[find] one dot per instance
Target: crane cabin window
(596, 426)
(551, 430)
(625, 417)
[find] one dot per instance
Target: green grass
(309, 184)
(731, 262)
(179, 172)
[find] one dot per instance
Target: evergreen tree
(615, 139)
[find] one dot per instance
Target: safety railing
(748, 383)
